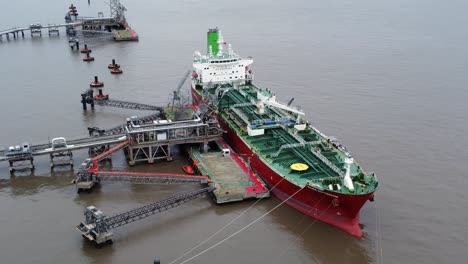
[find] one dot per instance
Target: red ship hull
(336, 209)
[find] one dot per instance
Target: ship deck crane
(97, 227)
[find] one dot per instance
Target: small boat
(188, 169)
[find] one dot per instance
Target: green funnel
(212, 41)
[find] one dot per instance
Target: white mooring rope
(224, 227)
(242, 229)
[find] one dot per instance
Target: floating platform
(124, 35)
(229, 174)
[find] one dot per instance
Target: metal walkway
(117, 130)
(17, 30)
(97, 226)
(150, 178)
(90, 175)
(127, 105)
(81, 143)
(87, 179)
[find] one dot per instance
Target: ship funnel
(347, 178)
(212, 41)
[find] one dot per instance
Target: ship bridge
(219, 66)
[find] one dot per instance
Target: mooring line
(225, 226)
(245, 227)
(303, 232)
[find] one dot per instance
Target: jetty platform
(229, 173)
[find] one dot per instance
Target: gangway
(81, 143)
(88, 97)
(150, 178)
(87, 179)
(58, 155)
(97, 227)
(127, 105)
(78, 143)
(90, 175)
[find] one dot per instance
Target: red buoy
(88, 58)
(85, 49)
(96, 83)
(101, 97)
(116, 70)
(113, 65)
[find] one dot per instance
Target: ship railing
(370, 174)
(295, 136)
(242, 105)
(242, 92)
(263, 121)
(241, 115)
(328, 162)
(296, 145)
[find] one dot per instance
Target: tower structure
(117, 10)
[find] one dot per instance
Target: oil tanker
(310, 171)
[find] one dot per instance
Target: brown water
(387, 78)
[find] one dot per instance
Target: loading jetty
(217, 170)
(232, 177)
(115, 25)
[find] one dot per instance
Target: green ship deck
(281, 139)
